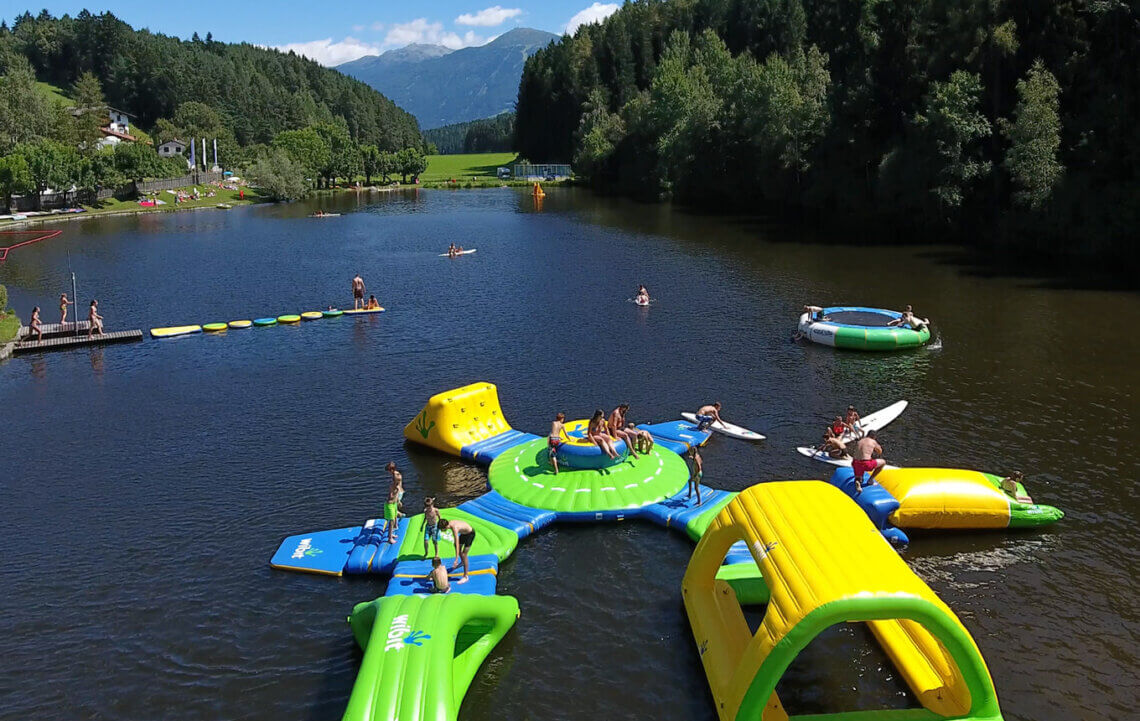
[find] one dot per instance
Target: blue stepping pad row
(371, 552)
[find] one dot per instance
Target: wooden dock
(54, 330)
(63, 342)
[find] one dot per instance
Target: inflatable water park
(803, 550)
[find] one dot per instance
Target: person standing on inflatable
(392, 504)
(864, 460)
(697, 473)
(557, 436)
(464, 537)
(357, 292)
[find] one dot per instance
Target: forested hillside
(1012, 124)
(488, 135)
(257, 92)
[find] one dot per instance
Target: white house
(120, 121)
(173, 147)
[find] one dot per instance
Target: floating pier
(69, 335)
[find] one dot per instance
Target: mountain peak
(522, 37)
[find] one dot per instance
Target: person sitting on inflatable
(815, 313)
(1011, 483)
(910, 320)
(832, 444)
(438, 577)
(373, 304)
(852, 420)
(596, 432)
(615, 426)
(557, 436)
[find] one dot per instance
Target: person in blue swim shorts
(430, 525)
(707, 415)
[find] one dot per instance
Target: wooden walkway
(72, 341)
(51, 330)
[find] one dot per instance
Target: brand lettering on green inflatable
(400, 634)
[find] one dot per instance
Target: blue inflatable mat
(739, 553)
(678, 431)
(489, 449)
(318, 552)
(677, 510)
(876, 501)
(508, 514)
(410, 577)
(371, 552)
(678, 447)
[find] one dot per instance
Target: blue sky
(336, 31)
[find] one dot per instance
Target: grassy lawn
(463, 167)
(9, 326)
(111, 205)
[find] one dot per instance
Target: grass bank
(480, 166)
(113, 206)
(9, 326)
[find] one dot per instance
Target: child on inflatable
(430, 525)
(438, 577)
(392, 504)
(557, 435)
(697, 474)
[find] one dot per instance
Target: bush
(3, 298)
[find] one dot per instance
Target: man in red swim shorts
(864, 460)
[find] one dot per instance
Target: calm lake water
(145, 486)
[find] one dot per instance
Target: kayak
(462, 252)
(642, 303)
(325, 215)
(729, 429)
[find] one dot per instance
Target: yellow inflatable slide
(824, 563)
(466, 422)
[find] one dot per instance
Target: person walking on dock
(63, 303)
(358, 292)
(34, 325)
(95, 321)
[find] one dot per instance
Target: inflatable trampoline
(859, 328)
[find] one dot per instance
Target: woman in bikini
(596, 432)
(63, 303)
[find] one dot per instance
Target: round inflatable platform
(859, 328)
(579, 452)
(240, 323)
(332, 313)
(263, 322)
(523, 474)
(214, 327)
(312, 315)
(290, 318)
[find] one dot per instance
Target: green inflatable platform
(490, 538)
(432, 647)
(523, 474)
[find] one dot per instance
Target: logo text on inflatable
(305, 548)
(400, 634)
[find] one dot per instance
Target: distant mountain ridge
(441, 86)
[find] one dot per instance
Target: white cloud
(593, 14)
(326, 52)
(357, 28)
(421, 30)
(488, 17)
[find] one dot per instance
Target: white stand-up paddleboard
(728, 429)
(875, 421)
(462, 252)
(823, 457)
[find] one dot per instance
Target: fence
(528, 170)
(48, 201)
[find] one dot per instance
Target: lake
(145, 486)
